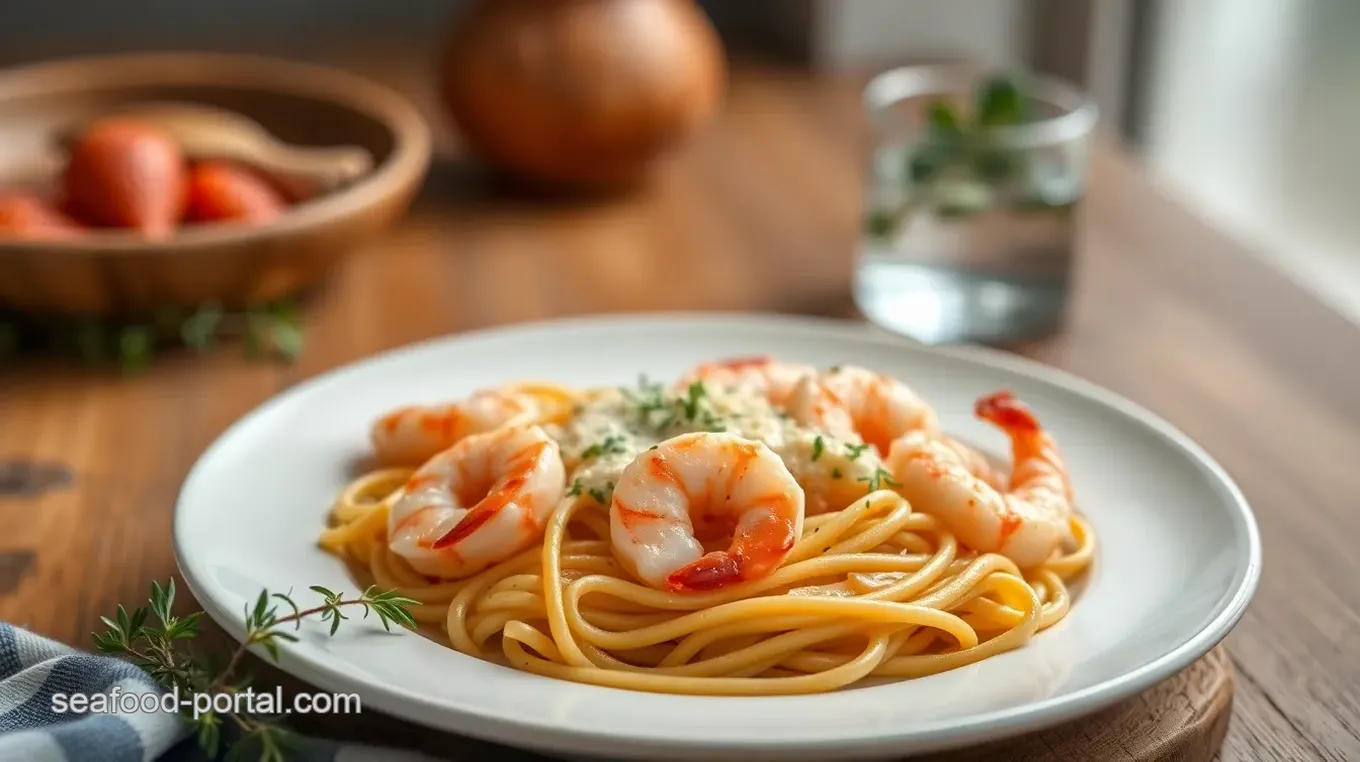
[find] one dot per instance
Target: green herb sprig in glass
(960, 167)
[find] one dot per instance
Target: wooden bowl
(114, 272)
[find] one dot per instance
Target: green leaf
(817, 446)
(928, 162)
(272, 647)
(162, 599)
(257, 332)
(880, 224)
(285, 310)
(879, 478)
(391, 606)
(258, 615)
(135, 348)
(200, 329)
(291, 604)
(943, 122)
(185, 628)
(997, 165)
(855, 450)
(1001, 102)
(139, 616)
(287, 339)
(942, 146)
(107, 643)
(328, 594)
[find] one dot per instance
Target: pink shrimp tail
(715, 570)
(470, 523)
(1007, 412)
(483, 512)
(756, 551)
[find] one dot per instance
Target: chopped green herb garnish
(835, 473)
(575, 488)
(601, 495)
(690, 404)
(653, 447)
(817, 447)
(611, 444)
(711, 422)
(647, 399)
(856, 450)
(879, 478)
(835, 369)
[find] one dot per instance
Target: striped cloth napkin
(33, 669)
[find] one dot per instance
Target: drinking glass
(974, 183)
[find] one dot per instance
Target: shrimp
(775, 381)
(850, 403)
(702, 488)
(414, 434)
(975, 462)
(1028, 522)
(477, 503)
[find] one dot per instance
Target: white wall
(865, 33)
(1253, 117)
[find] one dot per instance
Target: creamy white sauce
(616, 425)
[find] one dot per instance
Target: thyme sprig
(160, 647)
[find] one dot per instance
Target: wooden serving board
(1183, 719)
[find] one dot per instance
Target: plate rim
(936, 736)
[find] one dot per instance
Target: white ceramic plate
(1179, 553)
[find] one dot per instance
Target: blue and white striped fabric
(33, 669)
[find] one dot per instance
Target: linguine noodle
(874, 590)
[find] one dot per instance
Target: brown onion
(581, 92)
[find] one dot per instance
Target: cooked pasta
(655, 564)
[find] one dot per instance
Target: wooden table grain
(760, 213)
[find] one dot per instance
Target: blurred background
(1245, 110)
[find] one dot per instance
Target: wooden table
(760, 214)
